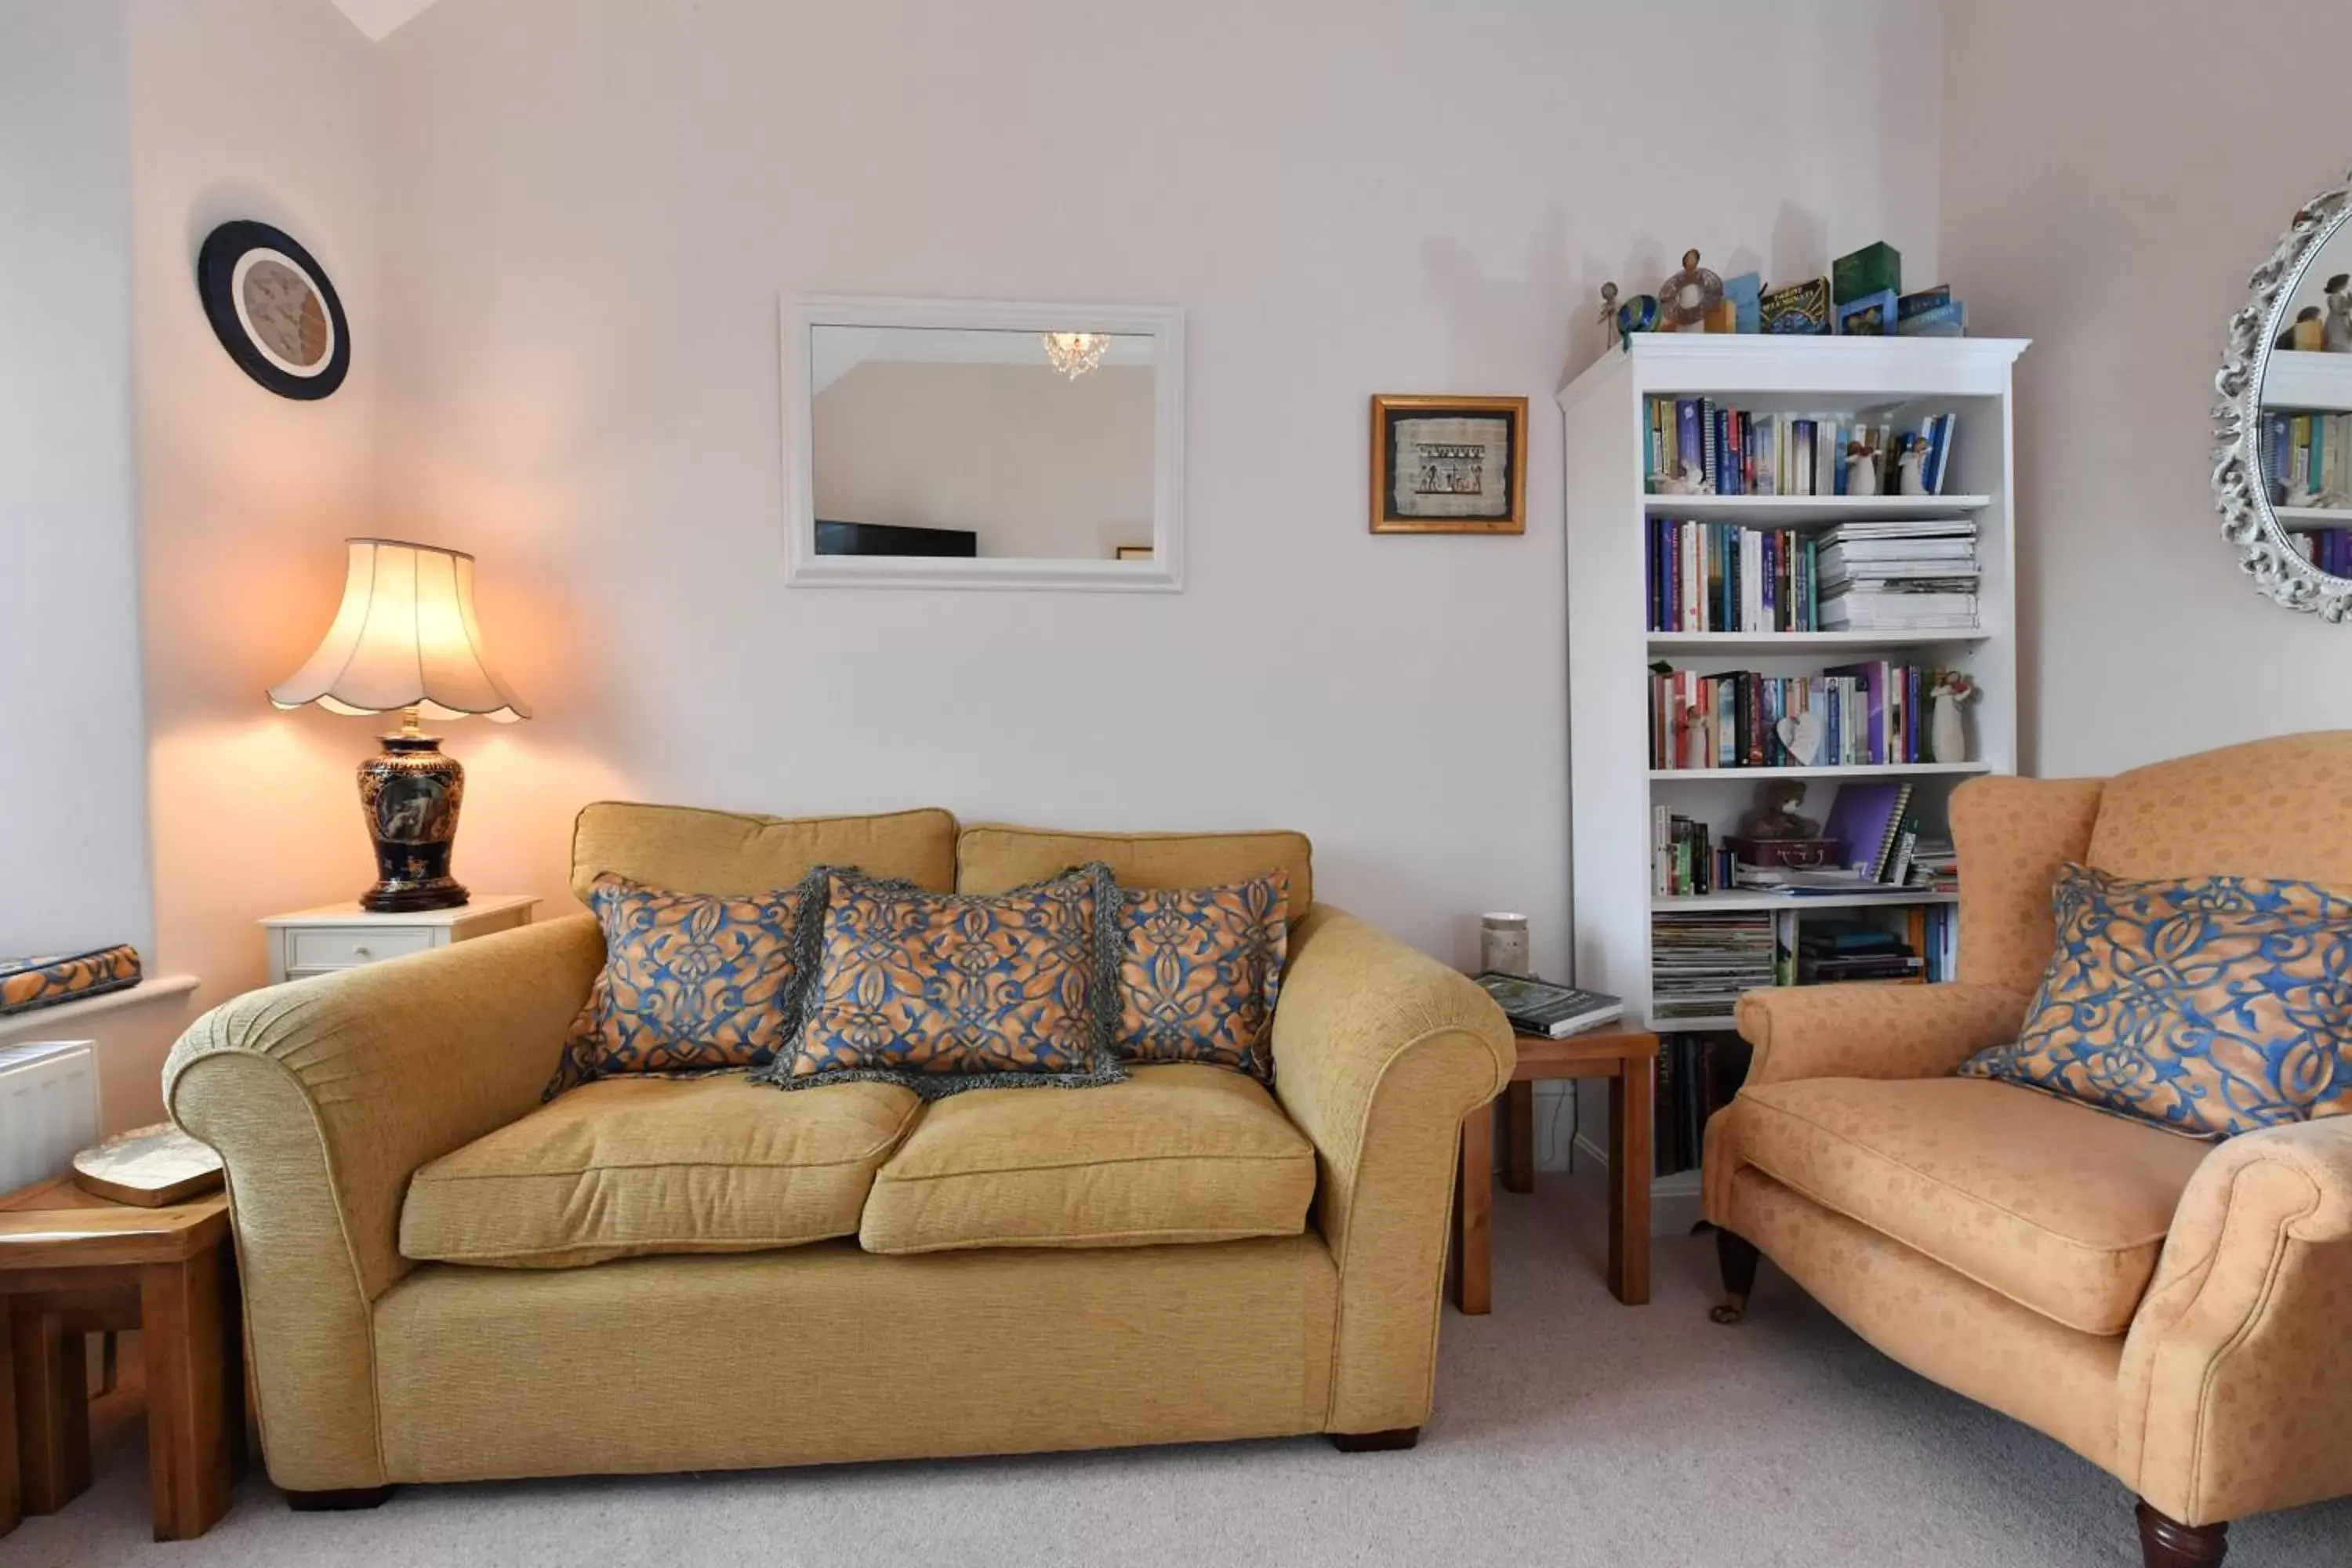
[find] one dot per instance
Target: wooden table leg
(52, 1373)
(1520, 1128)
(11, 1506)
(234, 1371)
(187, 1404)
(1473, 1198)
(1630, 1158)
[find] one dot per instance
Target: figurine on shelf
(1947, 737)
(2335, 331)
(1775, 814)
(1690, 295)
(1691, 481)
(1638, 314)
(1910, 471)
(2306, 334)
(1609, 312)
(1861, 469)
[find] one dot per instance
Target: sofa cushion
(2215, 1005)
(950, 992)
(692, 982)
(1179, 1151)
(992, 856)
(634, 1165)
(2062, 1208)
(697, 851)
(1199, 972)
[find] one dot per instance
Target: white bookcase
(1605, 411)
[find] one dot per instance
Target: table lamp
(405, 638)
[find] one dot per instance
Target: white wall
(259, 108)
(2106, 191)
(590, 210)
(73, 796)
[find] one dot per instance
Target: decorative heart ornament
(1801, 733)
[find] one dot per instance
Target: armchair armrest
(1380, 1051)
(1865, 1030)
(2238, 1367)
(323, 1097)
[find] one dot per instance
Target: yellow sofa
(2178, 1312)
(445, 1279)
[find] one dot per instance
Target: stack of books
(2308, 454)
(1831, 951)
(1684, 857)
(1542, 1007)
(1934, 865)
(1701, 963)
(1720, 577)
(1899, 575)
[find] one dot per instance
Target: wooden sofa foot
(1738, 1260)
(1376, 1441)
(2165, 1543)
(346, 1500)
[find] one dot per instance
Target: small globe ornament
(1690, 294)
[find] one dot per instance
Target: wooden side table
(71, 1265)
(1628, 1060)
(345, 936)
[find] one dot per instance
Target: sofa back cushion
(993, 857)
(2277, 808)
(688, 850)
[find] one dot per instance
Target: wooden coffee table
(72, 1264)
(1627, 1058)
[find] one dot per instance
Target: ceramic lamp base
(410, 794)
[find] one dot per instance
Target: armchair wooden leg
(2167, 1542)
(1376, 1441)
(1737, 1258)
(348, 1500)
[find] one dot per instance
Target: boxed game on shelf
(1721, 577)
(1898, 574)
(1696, 446)
(1700, 963)
(1871, 714)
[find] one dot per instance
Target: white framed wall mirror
(984, 444)
(2282, 470)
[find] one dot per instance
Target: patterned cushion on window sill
(693, 983)
(1199, 972)
(2214, 1005)
(948, 991)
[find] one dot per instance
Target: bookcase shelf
(2301, 379)
(1609, 514)
(2298, 519)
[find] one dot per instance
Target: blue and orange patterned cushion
(27, 983)
(693, 983)
(946, 991)
(1199, 972)
(2214, 1006)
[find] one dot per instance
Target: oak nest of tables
(1627, 1058)
(72, 1264)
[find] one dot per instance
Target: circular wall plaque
(274, 310)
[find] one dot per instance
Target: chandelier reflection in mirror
(1074, 353)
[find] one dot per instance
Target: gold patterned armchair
(2177, 1311)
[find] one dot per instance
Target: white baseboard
(1675, 1203)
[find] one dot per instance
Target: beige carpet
(1569, 1431)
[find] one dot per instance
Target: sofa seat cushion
(1179, 1153)
(2061, 1208)
(632, 1165)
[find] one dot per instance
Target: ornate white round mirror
(2283, 472)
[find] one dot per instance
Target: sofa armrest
(2238, 1367)
(1865, 1030)
(323, 1097)
(1380, 1051)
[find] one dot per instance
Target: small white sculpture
(1860, 470)
(1947, 737)
(2335, 331)
(1691, 481)
(1911, 470)
(1802, 734)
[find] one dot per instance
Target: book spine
(1686, 442)
(1709, 451)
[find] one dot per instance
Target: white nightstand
(345, 936)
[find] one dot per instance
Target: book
(1540, 1008)
(1865, 818)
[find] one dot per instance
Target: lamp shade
(406, 636)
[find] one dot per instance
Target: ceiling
(377, 17)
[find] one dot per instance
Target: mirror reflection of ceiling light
(1074, 353)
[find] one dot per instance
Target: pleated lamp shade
(404, 638)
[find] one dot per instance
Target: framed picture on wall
(1449, 465)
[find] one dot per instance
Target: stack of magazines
(1701, 963)
(1899, 575)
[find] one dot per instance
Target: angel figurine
(1910, 471)
(1861, 469)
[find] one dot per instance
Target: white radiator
(48, 1109)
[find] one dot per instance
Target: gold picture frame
(1462, 485)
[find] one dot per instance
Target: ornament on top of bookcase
(1744, 292)
(1877, 268)
(1797, 308)
(1867, 315)
(1690, 296)
(2335, 331)
(1638, 314)
(2306, 333)
(1931, 314)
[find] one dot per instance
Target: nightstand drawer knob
(346, 947)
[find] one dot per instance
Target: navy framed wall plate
(274, 309)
